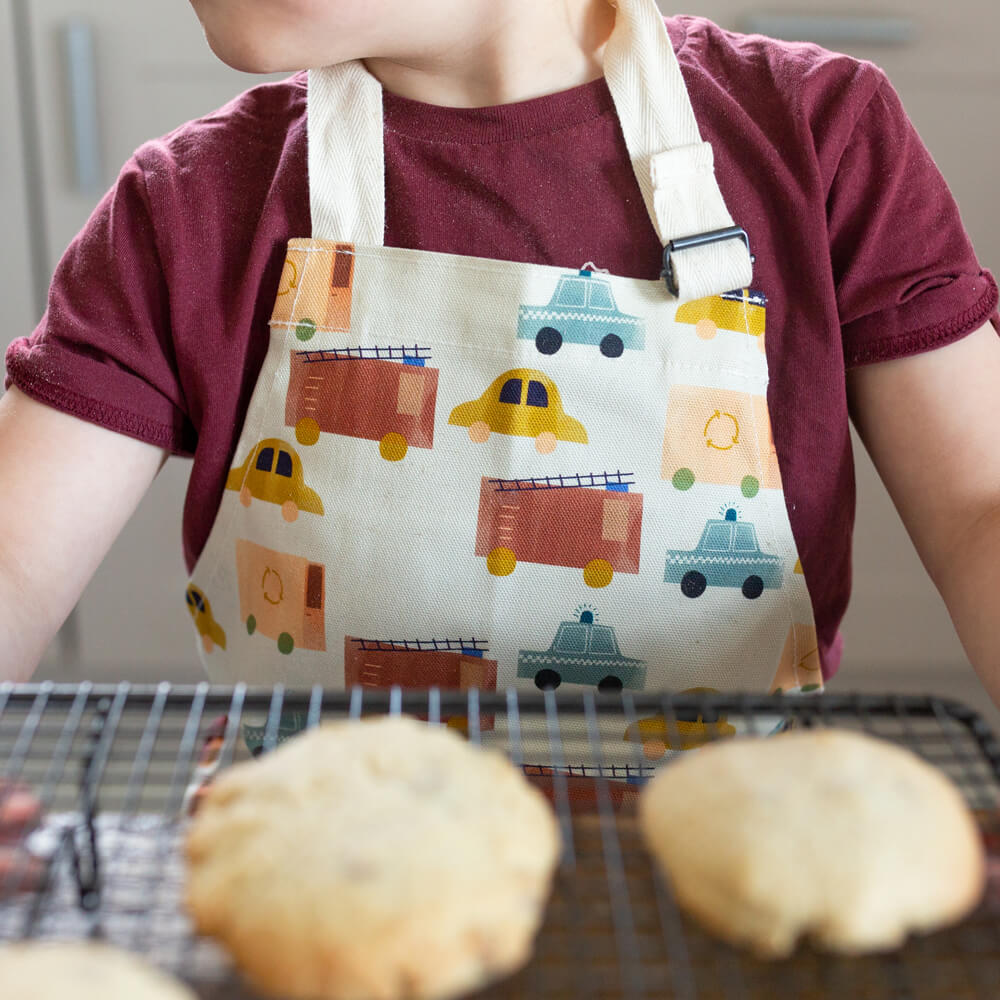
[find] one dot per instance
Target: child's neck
(540, 48)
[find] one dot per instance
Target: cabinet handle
(833, 29)
(81, 98)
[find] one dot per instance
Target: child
(461, 450)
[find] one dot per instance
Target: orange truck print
(450, 664)
(719, 436)
(585, 520)
(799, 669)
(316, 288)
(384, 394)
(282, 596)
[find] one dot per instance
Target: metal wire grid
(612, 930)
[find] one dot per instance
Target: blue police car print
(582, 310)
(727, 555)
(582, 652)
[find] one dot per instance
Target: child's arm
(930, 424)
(66, 489)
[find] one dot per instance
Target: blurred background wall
(83, 82)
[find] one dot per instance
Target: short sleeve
(103, 350)
(907, 277)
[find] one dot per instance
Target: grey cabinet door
(108, 75)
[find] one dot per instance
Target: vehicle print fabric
(457, 536)
(452, 497)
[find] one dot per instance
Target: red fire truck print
(585, 520)
(581, 790)
(282, 596)
(316, 288)
(450, 664)
(384, 394)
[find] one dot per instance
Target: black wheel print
(753, 587)
(612, 346)
(548, 340)
(610, 685)
(693, 584)
(547, 680)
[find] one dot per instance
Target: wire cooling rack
(113, 767)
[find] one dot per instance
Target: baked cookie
(84, 971)
(848, 839)
(372, 860)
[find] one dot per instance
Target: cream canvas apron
(462, 472)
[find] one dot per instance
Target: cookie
(845, 838)
(375, 860)
(83, 971)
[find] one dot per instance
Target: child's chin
(244, 54)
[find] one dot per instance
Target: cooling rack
(116, 766)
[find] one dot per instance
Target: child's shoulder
(258, 122)
(767, 74)
(703, 42)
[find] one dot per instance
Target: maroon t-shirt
(157, 322)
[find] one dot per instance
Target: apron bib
(469, 473)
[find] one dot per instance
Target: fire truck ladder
(752, 296)
(460, 645)
(415, 355)
(617, 481)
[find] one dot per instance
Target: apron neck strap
(674, 167)
(346, 154)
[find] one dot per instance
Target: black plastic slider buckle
(698, 240)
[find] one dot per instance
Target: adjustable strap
(674, 167)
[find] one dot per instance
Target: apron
(467, 473)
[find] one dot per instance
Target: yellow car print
(273, 472)
(522, 402)
(742, 311)
(208, 628)
(658, 734)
